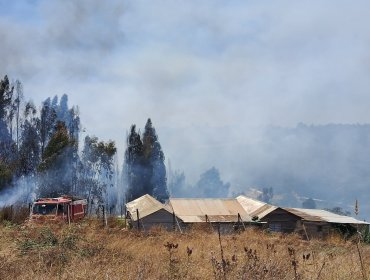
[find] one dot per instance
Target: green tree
(132, 166)
(56, 166)
(155, 174)
(144, 166)
(7, 147)
(97, 171)
(29, 150)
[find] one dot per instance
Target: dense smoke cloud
(207, 73)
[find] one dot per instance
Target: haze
(198, 69)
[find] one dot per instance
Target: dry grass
(13, 215)
(89, 251)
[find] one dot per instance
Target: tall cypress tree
(132, 169)
(154, 163)
(144, 169)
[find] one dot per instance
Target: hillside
(89, 251)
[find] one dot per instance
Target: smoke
(213, 76)
(328, 163)
(21, 192)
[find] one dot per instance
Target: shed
(228, 213)
(146, 212)
(311, 222)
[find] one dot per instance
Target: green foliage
(56, 146)
(97, 169)
(45, 238)
(144, 167)
(366, 236)
(6, 92)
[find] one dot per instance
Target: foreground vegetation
(92, 251)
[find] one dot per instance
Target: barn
(228, 214)
(310, 223)
(231, 214)
(146, 212)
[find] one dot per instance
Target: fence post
(138, 219)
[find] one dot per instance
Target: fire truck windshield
(44, 209)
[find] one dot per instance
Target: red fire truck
(64, 208)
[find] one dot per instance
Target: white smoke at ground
(22, 192)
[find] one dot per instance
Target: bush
(13, 214)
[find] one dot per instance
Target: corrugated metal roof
(146, 205)
(263, 211)
(250, 205)
(254, 207)
(318, 215)
(217, 210)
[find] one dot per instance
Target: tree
(47, 123)
(97, 171)
(309, 203)
(17, 106)
(154, 163)
(56, 168)
(7, 148)
(266, 195)
(132, 168)
(144, 167)
(29, 150)
(6, 93)
(177, 185)
(211, 185)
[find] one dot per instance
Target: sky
(192, 64)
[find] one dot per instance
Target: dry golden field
(90, 251)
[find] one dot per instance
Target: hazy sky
(186, 63)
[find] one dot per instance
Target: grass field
(90, 251)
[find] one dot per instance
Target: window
(319, 228)
(44, 209)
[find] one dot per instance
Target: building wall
(280, 220)
(312, 230)
(161, 218)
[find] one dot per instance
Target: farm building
(227, 213)
(230, 214)
(255, 208)
(146, 212)
(307, 222)
(310, 223)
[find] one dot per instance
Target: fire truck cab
(64, 208)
